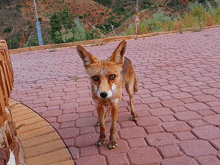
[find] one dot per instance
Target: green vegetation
(8, 29)
(199, 16)
(64, 30)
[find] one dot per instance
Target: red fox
(107, 79)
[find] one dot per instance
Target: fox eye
(95, 78)
(112, 77)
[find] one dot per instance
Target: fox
(107, 79)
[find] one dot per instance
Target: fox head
(105, 75)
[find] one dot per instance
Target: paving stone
(69, 132)
(137, 142)
(196, 123)
(215, 143)
(67, 117)
(167, 118)
(161, 139)
(67, 124)
(207, 132)
(213, 119)
(86, 140)
(119, 159)
(209, 160)
(141, 107)
(161, 111)
(125, 124)
(185, 135)
(160, 93)
(205, 98)
(153, 129)
(142, 113)
(74, 152)
(88, 151)
(148, 121)
(69, 142)
(206, 112)
(176, 126)
(146, 155)
(187, 115)
(93, 160)
(86, 108)
(182, 160)
(181, 95)
(170, 151)
(150, 100)
(197, 148)
(85, 122)
(179, 109)
(196, 106)
(132, 132)
(171, 103)
(85, 130)
(155, 105)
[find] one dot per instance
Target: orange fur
(107, 79)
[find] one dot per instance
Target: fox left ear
(118, 55)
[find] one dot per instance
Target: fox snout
(103, 94)
(106, 94)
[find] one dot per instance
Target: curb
(41, 144)
(101, 41)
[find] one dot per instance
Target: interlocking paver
(176, 126)
(182, 160)
(207, 132)
(177, 100)
(146, 155)
(197, 148)
(170, 151)
(161, 139)
(209, 160)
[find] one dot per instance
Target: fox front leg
(112, 139)
(100, 111)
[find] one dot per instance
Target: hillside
(17, 22)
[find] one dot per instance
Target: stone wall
(9, 145)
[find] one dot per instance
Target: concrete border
(41, 144)
(101, 41)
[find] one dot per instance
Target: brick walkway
(178, 102)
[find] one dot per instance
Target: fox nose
(103, 94)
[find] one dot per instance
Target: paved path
(178, 102)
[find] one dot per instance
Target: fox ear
(85, 56)
(118, 55)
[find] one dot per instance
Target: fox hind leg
(130, 90)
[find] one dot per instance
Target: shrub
(79, 31)
(13, 43)
(8, 29)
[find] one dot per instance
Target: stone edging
(41, 144)
(101, 41)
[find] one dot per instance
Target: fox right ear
(85, 56)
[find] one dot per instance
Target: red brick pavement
(178, 102)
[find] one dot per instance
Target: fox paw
(100, 142)
(112, 145)
(133, 118)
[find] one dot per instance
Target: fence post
(137, 19)
(38, 26)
